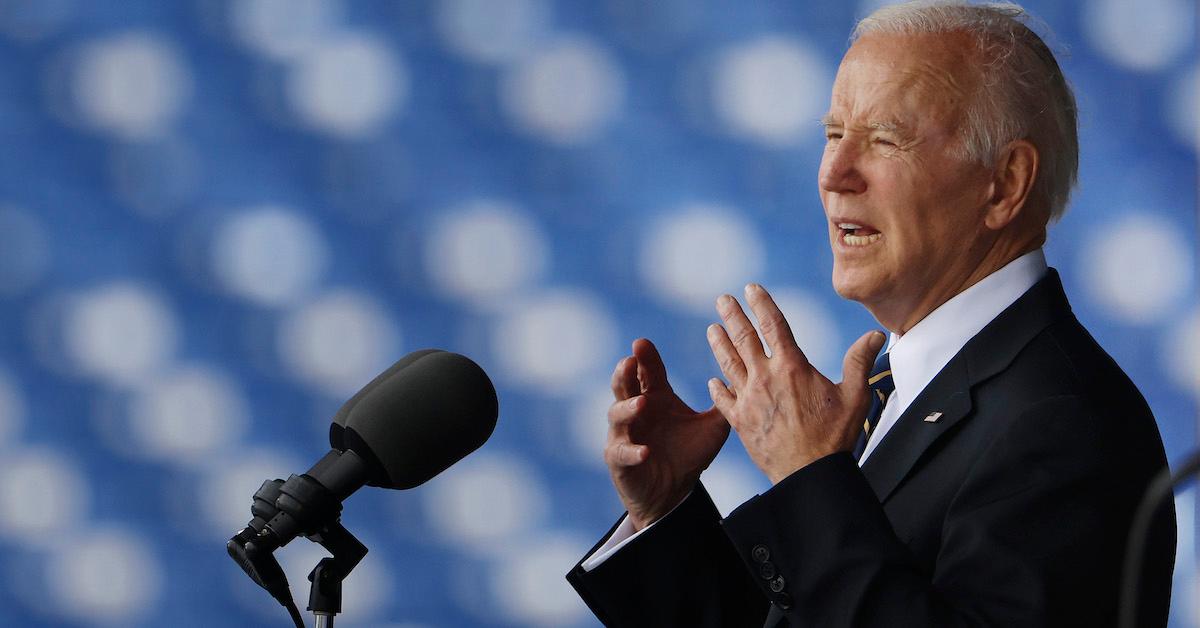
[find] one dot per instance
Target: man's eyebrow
(891, 126)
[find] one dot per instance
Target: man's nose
(840, 169)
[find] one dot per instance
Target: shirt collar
(917, 356)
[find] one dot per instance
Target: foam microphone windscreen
(343, 413)
(421, 419)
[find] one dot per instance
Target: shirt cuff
(620, 538)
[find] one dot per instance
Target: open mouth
(858, 235)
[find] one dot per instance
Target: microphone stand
(298, 504)
(1160, 488)
(325, 595)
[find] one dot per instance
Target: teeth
(857, 240)
(848, 225)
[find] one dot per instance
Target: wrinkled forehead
(907, 78)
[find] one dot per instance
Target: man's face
(905, 210)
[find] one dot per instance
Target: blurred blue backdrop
(218, 218)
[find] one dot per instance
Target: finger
(741, 332)
(624, 379)
(651, 371)
(625, 454)
(771, 322)
(727, 356)
(621, 414)
(723, 398)
(856, 366)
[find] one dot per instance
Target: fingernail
(752, 287)
(633, 403)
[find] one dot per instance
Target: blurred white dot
(1146, 35)
(1181, 353)
(12, 407)
(183, 415)
(106, 576)
(1190, 601)
(348, 85)
(565, 92)
(282, 29)
(1183, 102)
(42, 494)
(24, 250)
(528, 587)
(269, 255)
(119, 332)
(339, 342)
(589, 427)
(485, 250)
(229, 484)
(31, 20)
(770, 90)
(730, 482)
(1139, 268)
(484, 500)
(133, 85)
(1185, 557)
(814, 327)
(694, 255)
(491, 31)
(1185, 515)
(555, 341)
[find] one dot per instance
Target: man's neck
(904, 316)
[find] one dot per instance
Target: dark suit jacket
(1011, 509)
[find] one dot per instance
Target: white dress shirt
(919, 355)
(916, 357)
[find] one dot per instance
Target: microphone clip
(301, 506)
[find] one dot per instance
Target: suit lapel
(985, 355)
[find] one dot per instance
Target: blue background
(219, 218)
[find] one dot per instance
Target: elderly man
(1003, 452)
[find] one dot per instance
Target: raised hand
(785, 412)
(657, 445)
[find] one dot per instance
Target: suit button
(767, 570)
(777, 584)
(783, 601)
(760, 553)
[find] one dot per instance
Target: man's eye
(884, 141)
(830, 136)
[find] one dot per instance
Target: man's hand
(657, 445)
(786, 413)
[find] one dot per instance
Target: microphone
(339, 418)
(411, 422)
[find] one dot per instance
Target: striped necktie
(881, 385)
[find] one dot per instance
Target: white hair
(1022, 92)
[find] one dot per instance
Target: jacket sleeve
(1034, 536)
(681, 572)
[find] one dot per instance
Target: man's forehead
(895, 82)
(908, 61)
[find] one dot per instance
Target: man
(999, 477)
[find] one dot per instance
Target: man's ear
(1016, 170)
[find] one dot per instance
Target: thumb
(856, 366)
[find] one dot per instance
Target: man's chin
(851, 288)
